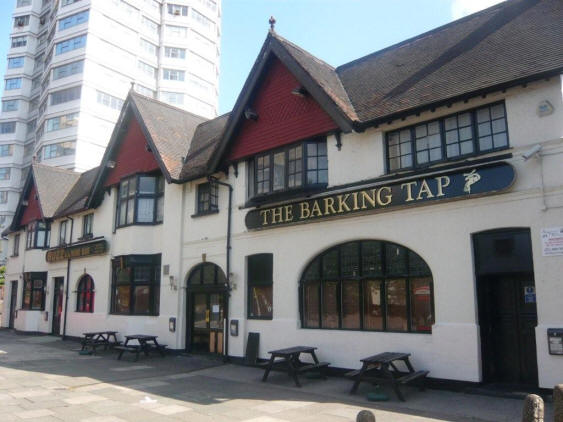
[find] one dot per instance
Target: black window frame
(16, 245)
(254, 182)
(198, 273)
(475, 138)
(32, 229)
(62, 232)
(129, 263)
(207, 199)
(259, 280)
(88, 226)
(157, 196)
(380, 274)
(82, 291)
(29, 279)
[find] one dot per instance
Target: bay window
(38, 235)
(141, 200)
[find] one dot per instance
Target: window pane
(330, 305)
(350, 260)
(200, 310)
(26, 299)
(130, 210)
(122, 299)
(421, 304)
(372, 263)
(145, 210)
(373, 315)
(147, 184)
(395, 259)
(132, 186)
(208, 274)
(396, 295)
(311, 301)
(160, 209)
(330, 264)
(351, 304)
(142, 300)
(279, 171)
(261, 302)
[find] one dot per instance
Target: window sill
(138, 224)
(260, 318)
(14, 256)
(203, 214)
(86, 237)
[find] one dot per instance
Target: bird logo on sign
(470, 179)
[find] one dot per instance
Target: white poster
(552, 241)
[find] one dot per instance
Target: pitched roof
(169, 128)
(509, 42)
(77, 197)
(53, 184)
(203, 146)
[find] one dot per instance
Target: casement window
(13, 83)
(73, 20)
(69, 45)
(141, 200)
(135, 285)
(38, 235)
(21, 21)
(109, 100)
(10, 105)
(68, 69)
(367, 285)
(15, 62)
(3, 197)
(66, 95)
(20, 41)
(87, 226)
(6, 150)
(293, 167)
(5, 173)
(207, 202)
(468, 133)
(59, 150)
(16, 245)
(177, 10)
(7, 127)
(175, 53)
(61, 122)
(34, 291)
(173, 74)
(260, 285)
(85, 294)
(62, 232)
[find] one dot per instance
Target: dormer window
(141, 200)
(38, 235)
(292, 168)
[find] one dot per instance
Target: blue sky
(336, 31)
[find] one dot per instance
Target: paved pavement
(44, 379)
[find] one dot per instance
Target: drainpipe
(67, 278)
(215, 180)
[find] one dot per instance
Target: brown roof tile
(53, 184)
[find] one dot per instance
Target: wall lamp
(250, 114)
(299, 91)
(534, 151)
(110, 164)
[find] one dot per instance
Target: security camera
(531, 152)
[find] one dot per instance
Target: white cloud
(461, 8)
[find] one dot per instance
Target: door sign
(529, 294)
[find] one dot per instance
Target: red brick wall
(283, 118)
(132, 156)
(32, 211)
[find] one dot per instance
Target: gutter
(215, 180)
(67, 279)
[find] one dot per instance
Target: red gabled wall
(32, 211)
(283, 117)
(132, 156)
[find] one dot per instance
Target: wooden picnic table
(382, 368)
(288, 359)
(99, 338)
(146, 343)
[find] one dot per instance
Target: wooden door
(57, 305)
(13, 303)
(207, 322)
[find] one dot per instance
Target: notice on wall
(552, 241)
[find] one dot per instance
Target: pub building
(410, 200)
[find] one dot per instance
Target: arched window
(85, 294)
(367, 285)
(207, 274)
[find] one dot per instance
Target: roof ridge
(162, 103)
(282, 39)
(502, 4)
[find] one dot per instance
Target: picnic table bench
(146, 343)
(288, 360)
(382, 368)
(99, 338)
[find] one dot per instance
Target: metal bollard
(558, 403)
(533, 409)
(365, 416)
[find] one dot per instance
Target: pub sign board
(77, 251)
(455, 184)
